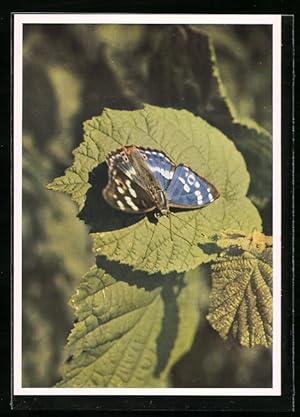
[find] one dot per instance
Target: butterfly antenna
(170, 221)
(148, 248)
(186, 223)
(173, 233)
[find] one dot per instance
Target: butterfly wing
(126, 195)
(122, 159)
(135, 175)
(143, 165)
(160, 165)
(188, 190)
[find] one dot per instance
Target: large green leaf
(186, 139)
(241, 298)
(129, 330)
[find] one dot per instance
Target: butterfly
(141, 180)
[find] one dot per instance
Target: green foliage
(130, 330)
(50, 268)
(173, 67)
(241, 297)
(186, 139)
(126, 330)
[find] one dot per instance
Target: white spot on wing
(130, 189)
(131, 203)
(198, 194)
(132, 192)
(121, 205)
(191, 179)
(186, 188)
(199, 200)
(166, 174)
(130, 172)
(182, 180)
(197, 184)
(210, 197)
(121, 191)
(128, 199)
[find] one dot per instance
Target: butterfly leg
(169, 216)
(159, 214)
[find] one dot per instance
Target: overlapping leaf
(241, 298)
(255, 243)
(186, 139)
(129, 331)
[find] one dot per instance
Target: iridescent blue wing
(188, 190)
(160, 165)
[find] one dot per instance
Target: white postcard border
(19, 20)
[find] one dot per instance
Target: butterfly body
(143, 180)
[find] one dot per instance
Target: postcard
(147, 207)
